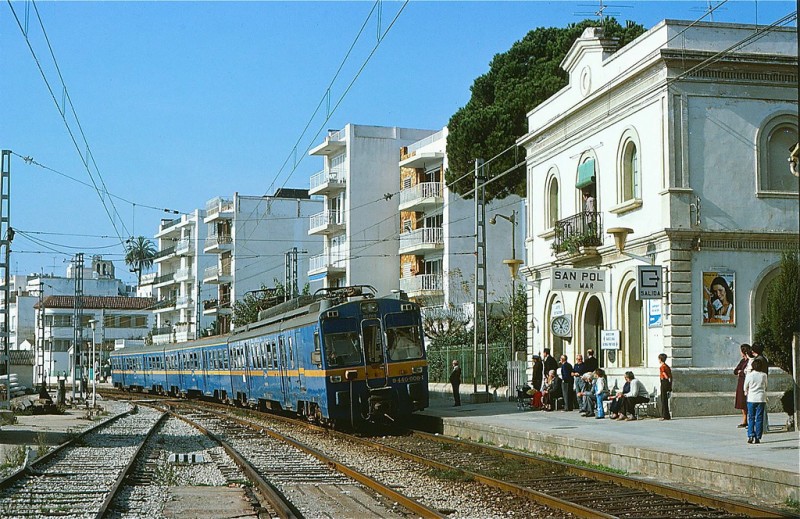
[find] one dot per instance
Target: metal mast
(6, 235)
(43, 389)
(480, 318)
(77, 322)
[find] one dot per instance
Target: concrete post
(796, 377)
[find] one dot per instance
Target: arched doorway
(555, 343)
(593, 323)
(634, 336)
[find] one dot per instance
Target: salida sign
(579, 280)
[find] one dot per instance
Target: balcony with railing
(217, 306)
(421, 240)
(182, 301)
(579, 235)
(166, 224)
(326, 222)
(218, 243)
(164, 254)
(218, 208)
(327, 181)
(164, 279)
(334, 143)
(217, 274)
(184, 247)
(326, 263)
(183, 274)
(423, 196)
(423, 285)
(164, 305)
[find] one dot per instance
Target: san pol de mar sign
(579, 280)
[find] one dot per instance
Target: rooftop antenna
(710, 8)
(601, 11)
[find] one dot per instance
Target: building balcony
(184, 274)
(334, 143)
(216, 275)
(430, 285)
(579, 235)
(165, 305)
(425, 195)
(183, 301)
(327, 182)
(217, 243)
(218, 209)
(422, 240)
(326, 264)
(217, 307)
(162, 338)
(164, 280)
(326, 222)
(184, 247)
(164, 254)
(166, 224)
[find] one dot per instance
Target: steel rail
(26, 470)
(694, 498)
(410, 504)
(112, 493)
(283, 507)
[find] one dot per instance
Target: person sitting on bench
(637, 395)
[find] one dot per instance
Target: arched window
(552, 202)
(776, 137)
(631, 175)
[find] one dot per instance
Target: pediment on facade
(591, 49)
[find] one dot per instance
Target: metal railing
(182, 300)
(422, 282)
(218, 239)
(164, 278)
(424, 236)
(334, 175)
(163, 330)
(183, 273)
(422, 190)
(217, 271)
(164, 252)
(182, 246)
(218, 205)
(584, 229)
(166, 224)
(325, 218)
(323, 261)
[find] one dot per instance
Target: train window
(404, 337)
(291, 350)
(373, 341)
(316, 341)
(342, 343)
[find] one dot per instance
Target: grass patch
(42, 447)
(450, 475)
(792, 504)
(14, 457)
(579, 463)
(165, 475)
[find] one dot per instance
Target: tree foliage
(781, 317)
(495, 116)
(139, 255)
(245, 310)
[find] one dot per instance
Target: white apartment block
(437, 233)
(252, 241)
(685, 151)
(359, 221)
(180, 263)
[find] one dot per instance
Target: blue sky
(184, 101)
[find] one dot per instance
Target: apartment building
(359, 221)
(177, 287)
(252, 242)
(437, 232)
(684, 159)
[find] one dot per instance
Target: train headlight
(416, 369)
(370, 307)
(336, 378)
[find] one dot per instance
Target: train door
(249, 363)
(372, 339)
(283, 365)
(301, 372)
(205, 365)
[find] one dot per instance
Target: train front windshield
(342, 343)
(404, 337)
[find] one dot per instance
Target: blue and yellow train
(340, 357)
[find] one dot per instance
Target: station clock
(561, 326)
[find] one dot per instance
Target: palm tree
(139, 255)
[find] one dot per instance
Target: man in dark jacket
(590, 364)
(549, 363)
(566, 383)
(455, 380)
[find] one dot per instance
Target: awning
(585, 174)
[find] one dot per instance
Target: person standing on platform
(538, 373)
(567, 382)
(755, 387)
(665, 377)
(455, 381)
(600, 391)
(758, 352)
(591, 362)
(740, 401)
(549, 362)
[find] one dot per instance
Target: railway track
(311, 484)
(79, 478)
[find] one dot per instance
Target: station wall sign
(609, 339)
(578, 280)
(649, 282)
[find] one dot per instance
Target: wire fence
(501, 371)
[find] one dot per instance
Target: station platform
(703, 454)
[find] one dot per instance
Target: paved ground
(706, 452)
